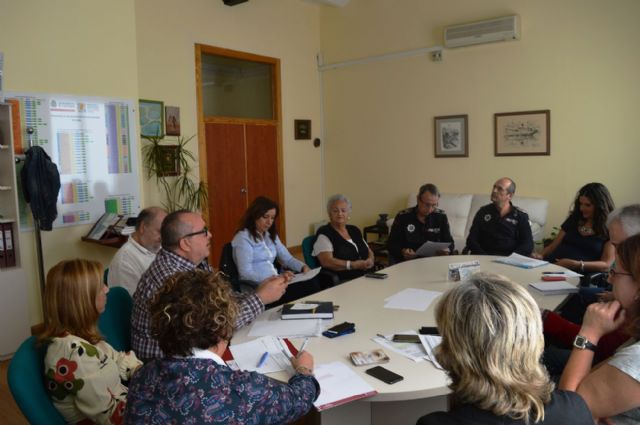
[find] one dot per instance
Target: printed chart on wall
(93, 143)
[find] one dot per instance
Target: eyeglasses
(613, 274)
(204, 231)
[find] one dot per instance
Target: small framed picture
(172, 120)
(168, 161)
(302, 129)
(522, 133)
(451, 136)
(151, 118)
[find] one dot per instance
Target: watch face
(580, 341)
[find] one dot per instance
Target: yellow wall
(578, 58)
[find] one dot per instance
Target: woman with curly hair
(492, 356)
(582, 244)
(192, 317)
(83, 373)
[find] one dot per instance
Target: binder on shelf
(7, 251)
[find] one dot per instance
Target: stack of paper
(247, 355)
(301, 277)
(413, 351)
(272, 325)
(411, 299)
(554, 288)
(429, 249)
(521, 261)
(339, 385)
(430, 342)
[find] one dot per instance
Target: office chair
(26, 382)
(327, 278)
(115, 322)
(228, 267)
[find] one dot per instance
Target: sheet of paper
(247, 355)
(273, 325)
(554, 288)
(411, 299)
(301, 277)
(429, 249)
(413, 351)
(339, 384)
(429, 343)
(521, 261)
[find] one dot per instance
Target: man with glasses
(135, 256)
(415, 226)
(500, 228)
(185, 246)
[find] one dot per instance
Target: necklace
(586, 230)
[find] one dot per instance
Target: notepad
(521, 261)
(308, 310)
(339, 384)
(554, 288)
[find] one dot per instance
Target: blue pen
(263, 359)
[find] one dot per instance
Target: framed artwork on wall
(172, 119)
(168, 161)
(451, 136)
(522, 133)
(151, 118)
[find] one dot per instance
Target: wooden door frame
(276, 121)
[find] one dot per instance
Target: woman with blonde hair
(82, 372)
(192, 317)
(492, 356)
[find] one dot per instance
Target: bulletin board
(93, 141)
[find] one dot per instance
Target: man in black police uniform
(500, 228)
(414, 226)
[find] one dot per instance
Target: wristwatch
(581, 342)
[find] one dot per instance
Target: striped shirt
(167, 264)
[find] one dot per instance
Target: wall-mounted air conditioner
(498, 29)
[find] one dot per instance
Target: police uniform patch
(487, 217)
(411, 228)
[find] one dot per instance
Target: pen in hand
(263, 359)
(302, 347)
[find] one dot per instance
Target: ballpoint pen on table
(263, 359)
(302, 347)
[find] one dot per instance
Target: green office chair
(26, 381)
(115, 322)
(327, 278)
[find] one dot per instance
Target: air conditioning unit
(498, 29)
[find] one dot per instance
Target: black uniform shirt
(494, 235)
(409, 232)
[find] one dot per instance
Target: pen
(383, 337)
(263, 359)
(552, 272)
(302, 347)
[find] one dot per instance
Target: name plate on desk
(462, 271)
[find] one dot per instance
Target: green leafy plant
(171, 165)
(546, 241)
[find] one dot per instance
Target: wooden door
(226, 180)
(262, 161)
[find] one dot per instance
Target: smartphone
(341, 327)
(428, 330)
(377, 275)
(385, 375)
(406, 338)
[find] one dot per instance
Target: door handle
(243, 190)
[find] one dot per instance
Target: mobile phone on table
(340, 329)
(385, 375)
(377, 275)
(406, 338)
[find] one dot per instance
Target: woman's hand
(305, 269)
(601, 319)
(536, 255)
(303, 363)
(287, 275)
(568, 263)
(408, 253)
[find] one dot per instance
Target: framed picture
(302, 129)
(172, 120)
(451, 136)
(168, 161)
(522, 133)
(151, 118)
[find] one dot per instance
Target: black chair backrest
(228, 266)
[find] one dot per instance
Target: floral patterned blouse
(202, 391)
(84, 380)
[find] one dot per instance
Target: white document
(521, 261)
(429, 343)
(339, 384)
(301, 277)
(429, 249)
(411, 299)
(247, 355)
(411, 350)
(273, 325)
(554, 287)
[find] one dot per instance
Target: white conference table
(361, 301)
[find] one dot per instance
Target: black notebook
(308, 310)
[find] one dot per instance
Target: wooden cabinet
(14, 308)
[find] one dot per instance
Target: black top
(575, 246)
(565, 408)
(344, 250)
(491, 234)
(409, 232)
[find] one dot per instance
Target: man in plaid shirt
(185, 246)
